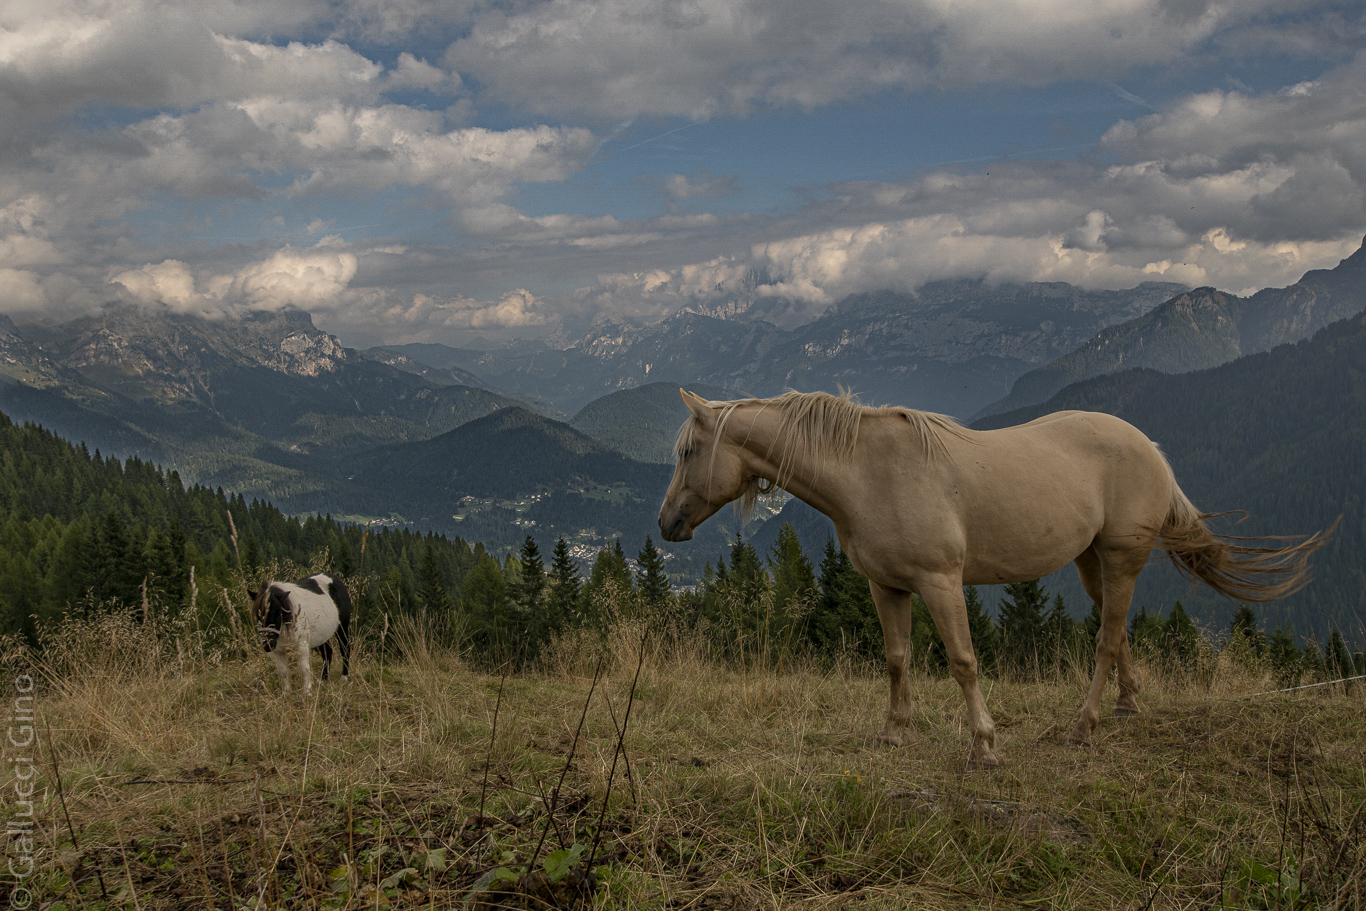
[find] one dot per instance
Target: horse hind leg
(326, 651)
(1088, 568)
(1119, 573)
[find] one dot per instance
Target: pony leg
(1119, 572)
(344, 646)
(305, 664)
(944, 598)
(326, 651)
(281, 668)
(894, 610)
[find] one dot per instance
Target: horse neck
(819, 481)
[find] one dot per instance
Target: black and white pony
(309, 612)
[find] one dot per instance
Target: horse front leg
(305, 663)
(894, 610)
(281, 668)
(944, 598)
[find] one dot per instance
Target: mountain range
(1203, 328)
(951, 347)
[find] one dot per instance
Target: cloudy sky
(428, 170)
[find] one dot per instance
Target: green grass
(190, 781)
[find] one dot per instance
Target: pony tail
(1233, 565)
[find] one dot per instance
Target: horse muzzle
(675, 527)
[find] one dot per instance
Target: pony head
(708, 474)
(270, 608)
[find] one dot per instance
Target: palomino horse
(309, 612)
(924, 505)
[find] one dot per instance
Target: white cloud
(701, 58)
(314, 279)
(705, 185)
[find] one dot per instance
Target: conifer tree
(747, 578)
(529, 589)
(565, 585)
(984, 635)
(1145, 630)
(653, 582)
(1340, 664)
(432, 592)
(845, 615)
(794, 578)
(1180, 635)
(1022, 625)
(1244, 623)
(1059, 632)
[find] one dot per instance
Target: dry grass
(191, 782)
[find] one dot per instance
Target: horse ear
(696, 404)
(253, 595)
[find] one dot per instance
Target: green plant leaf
(558, 863)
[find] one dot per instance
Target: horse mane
(819, 427)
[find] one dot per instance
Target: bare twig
(573, 748)
(621, 745)
(493, 737)
(61, 795)
(1307, 686)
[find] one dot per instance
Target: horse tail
(1232, 565)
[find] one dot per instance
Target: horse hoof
(1080, 737)
(891, 740)
(983, 763)
(1123, 712)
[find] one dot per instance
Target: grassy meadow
(172, 774)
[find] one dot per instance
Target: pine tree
(1180, 635)
(1145, 630)
(845, 615)
(1022, 625)
(1059, 633)
(432, 592)
(1285, 656)
(747, 578)
(794, 578)
(1340, 663)
(984, 636)
(1244, 623)
(653, 582)
(529, 590)
(565, 587)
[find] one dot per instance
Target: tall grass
(748, 776)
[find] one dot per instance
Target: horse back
(319, 605)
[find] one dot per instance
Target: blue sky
(420, 171)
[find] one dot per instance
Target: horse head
(710, 472)
(270, 609)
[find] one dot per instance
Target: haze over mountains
(480, 443)
(952, 347)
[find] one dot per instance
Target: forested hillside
(643, 422)
(82, 532)
(1281, 435)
